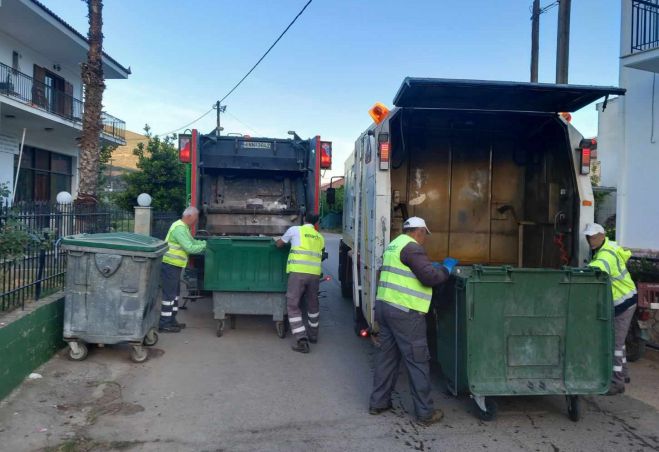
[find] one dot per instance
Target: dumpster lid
(125, 241)
(498, 95)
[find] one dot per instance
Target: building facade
(41, 101)
(629, 129)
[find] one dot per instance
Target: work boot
(435, 417)
(313, 339)
(181, 325)
(375, 411)
(301, 346)
(615, 390)
(628, 380)
(171, 328)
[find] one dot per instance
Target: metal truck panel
(498, 95)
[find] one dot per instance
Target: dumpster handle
(139, 259)
(76, 253)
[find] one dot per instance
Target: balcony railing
(645, 25)
(22, 87)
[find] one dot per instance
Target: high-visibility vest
(175, 255)
(307, 257)
(398, 284)
(612, 259)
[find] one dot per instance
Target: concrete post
(143, 220)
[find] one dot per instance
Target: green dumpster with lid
(112, 283)
(504, 331)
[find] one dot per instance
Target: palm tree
(92, 77)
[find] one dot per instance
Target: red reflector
(585, 161)
(644, 316)
(364, 332)
(184, 154)
(384, 152)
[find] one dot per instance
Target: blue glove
(449, 264)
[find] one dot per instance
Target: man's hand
(449, 264)
(279, 242)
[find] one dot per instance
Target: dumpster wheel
(219, 331)
(78, 351)
(151, 338)
(487, 408)
(281, 329)
(573, 408)
(138, 354)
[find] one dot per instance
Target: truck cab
(495, 168)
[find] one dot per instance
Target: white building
(41, 91)
(629, 129)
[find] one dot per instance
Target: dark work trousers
(621, 324)
(403, 338)
(303, 285)
(170, 281)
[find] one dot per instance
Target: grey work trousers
(170, 282)
(402, 337)
(303, 285)
(621, 325)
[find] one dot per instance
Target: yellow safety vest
(307, 257)
(175, 255)
(612, 259)
(398, 284)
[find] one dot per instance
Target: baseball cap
(416, 222)
(593, 229)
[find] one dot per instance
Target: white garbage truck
(495, 168)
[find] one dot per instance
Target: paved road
(248, 391)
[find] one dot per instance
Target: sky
(337, 60)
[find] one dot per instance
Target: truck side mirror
(330, 195)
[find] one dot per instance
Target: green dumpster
(505, 331)
(247, 276)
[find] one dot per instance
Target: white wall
(610, 139)
(29, 57)
(8, 148)
(638, 184)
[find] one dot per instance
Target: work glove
(449, 264)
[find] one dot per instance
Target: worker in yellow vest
(611, 258)
(304, 270)
(403, 298)
(181, 244)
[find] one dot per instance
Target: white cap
(594, 229)
(415, 222)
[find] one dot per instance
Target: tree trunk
(92, 77)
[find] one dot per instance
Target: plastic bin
(505, 331)
(112, 283)
(247, 276)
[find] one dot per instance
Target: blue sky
(338, 59)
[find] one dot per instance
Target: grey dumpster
(112, 291)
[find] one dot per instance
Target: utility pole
(219, 109)
(563, 41)
(535, 40)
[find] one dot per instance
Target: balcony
(24, 89)
(644, 51)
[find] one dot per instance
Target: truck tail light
(588, 149)
(325, 155)
(384, 149)
(585, 161)
(185, 148)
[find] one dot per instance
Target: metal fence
(160, 223)
(645, 25)
(37, 268)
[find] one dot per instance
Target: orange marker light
(587, 203)
(567, 116)
(378, 112)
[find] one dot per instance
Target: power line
(267, 52)
(185, 126)
(241, 122)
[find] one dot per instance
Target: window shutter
(38, 87)
(68, 100)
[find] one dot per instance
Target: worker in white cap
(611, 258)
(403, 298)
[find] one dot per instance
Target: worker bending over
(304, 270)
(403, 298)
(181, 244)
(611, 258)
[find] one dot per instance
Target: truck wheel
(219, 331)
(78, 351)
(138, 354)
(573, 408)
(151, 338)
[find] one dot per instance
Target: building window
(42, 175)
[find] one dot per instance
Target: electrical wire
(185, 126)
(241, 122)
(266, 53)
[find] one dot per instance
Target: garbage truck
(249, 190)
(502, 179)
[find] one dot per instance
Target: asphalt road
(247, 391)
